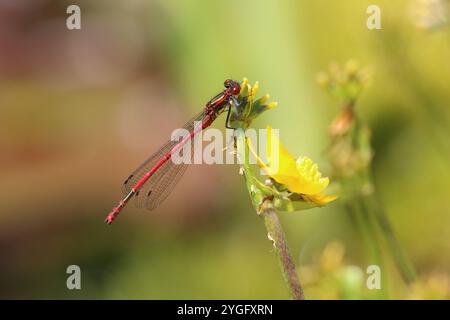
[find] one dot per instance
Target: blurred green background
(80, 109)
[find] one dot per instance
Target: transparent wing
(161, 183)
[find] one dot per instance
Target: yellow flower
(299, 176)
(253, 107)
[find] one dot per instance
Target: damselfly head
(232, 86)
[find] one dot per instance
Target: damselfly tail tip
(110, 218)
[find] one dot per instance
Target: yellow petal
(320, 199)
(255, 89)
(300, 176)
(310, 180)
(272, 105)
(280, 162)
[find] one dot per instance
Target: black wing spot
(149, 193)
(128, 179)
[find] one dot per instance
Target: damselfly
(152, 181)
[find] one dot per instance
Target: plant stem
(376, 244)
(276, 235)
(402, 262)
(264, 207)
(361, 218)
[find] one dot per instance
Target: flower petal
(310, 179)
(320, 199)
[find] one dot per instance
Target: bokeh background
(80, 109)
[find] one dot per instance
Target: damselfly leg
(236, 106)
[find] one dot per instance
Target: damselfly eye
(236, 88)
(227, 83)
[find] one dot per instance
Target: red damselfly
(152, 181)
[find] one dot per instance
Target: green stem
(374, 210)
(264, 207)
(355, 209)
(276, 235)
(361, 219)
(375, 242)
(403, 264)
